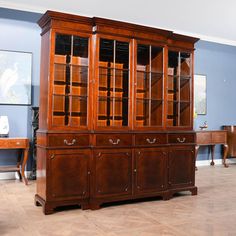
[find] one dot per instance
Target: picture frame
(200, 93)
(15, 77)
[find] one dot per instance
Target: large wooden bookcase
(116, 112)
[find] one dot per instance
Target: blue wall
(218, 63)
(18, 35)
(20, 32)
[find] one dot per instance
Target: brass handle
(151, 141)
(68, 143)
(181, 140)
(17, 143)
(114, 142)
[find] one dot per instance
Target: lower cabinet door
(113, 174)
(150, 171)
(181, 167)
(68, 174)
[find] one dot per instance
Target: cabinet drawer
(219, 137)
(203, 137)
(181, 138)
(13, 143)
(114, 140)
(150, 139)
(68, 140)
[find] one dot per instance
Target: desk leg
(196, 152)
(226, 147)
(212, 154)
(25, 158)
(19, 163)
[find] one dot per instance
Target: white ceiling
(211, 20)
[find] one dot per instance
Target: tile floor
(212, 212)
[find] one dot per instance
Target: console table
(211, 138)
(21, 144)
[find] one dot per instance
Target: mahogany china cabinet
(116, 112)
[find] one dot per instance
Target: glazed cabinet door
(113, 174)
(151, 174)
(179, 89)
(68, 174)
(70, 81)
(181, 166)
(149, 92)
(113, 83)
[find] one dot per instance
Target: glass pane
(122, 55)
(156, 113)
(106, 53)
(59, 89)
(59, 103)
(185, 64)
(78, 111)
(80, 49)
(103, 76)
(156, 86)
(103, 111)
(79, 80)
(63, 44)
(172, 114)
(119, 111)
(184, 113)
(142, 112)
(172, 84)
(79, 74)
(143, 58)
(60, 110)
(184, 89)
(157, 59)
(173, 63)
(142, 89)
(60, 72)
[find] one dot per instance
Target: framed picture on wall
(15, 77)
(200, 103)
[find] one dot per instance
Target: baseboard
(217, 162)
(12, 175)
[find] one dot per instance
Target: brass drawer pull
(114, 142)
(68, 143)
(151, 141)
(181, 140)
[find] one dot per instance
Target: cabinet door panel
(181, 167)
(113, 172)
(68, 174)
(150, 170)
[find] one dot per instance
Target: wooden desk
(211, 138)
(16, 143)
